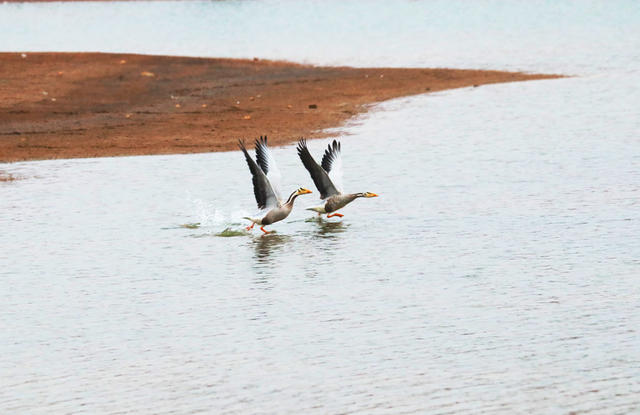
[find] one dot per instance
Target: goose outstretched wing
(319, 175)
(332, 164)
(266, 161)
(266, 197)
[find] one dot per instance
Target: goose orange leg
(335, 214)
(251, 227)
(262, 229)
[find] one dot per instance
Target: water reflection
(326, 229)
(266, 245)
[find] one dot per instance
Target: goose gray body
(339, 201)
(278, 213)
(265, 175)
(327, 177)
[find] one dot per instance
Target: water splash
(206, 213)
(229, 232)
(211, 218)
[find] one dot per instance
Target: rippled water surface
(497, 272)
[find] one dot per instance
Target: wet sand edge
(70, 105)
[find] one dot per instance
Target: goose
(266, 179)
(328, 179)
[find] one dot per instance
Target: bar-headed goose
(266, 180)
(328, 179)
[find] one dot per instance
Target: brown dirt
(66, 105)
(7, 177)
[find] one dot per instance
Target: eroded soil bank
(66, 105)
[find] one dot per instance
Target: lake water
(496, 273)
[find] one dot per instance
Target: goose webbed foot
(335, 214)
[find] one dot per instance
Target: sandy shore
(6, 177)
(66, 105)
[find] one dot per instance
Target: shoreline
(74, 105)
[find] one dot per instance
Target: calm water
(497, 273)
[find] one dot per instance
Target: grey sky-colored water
(563, 36)
(496, 273)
